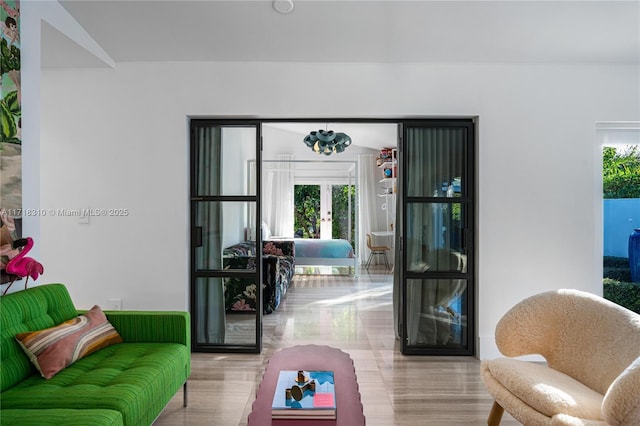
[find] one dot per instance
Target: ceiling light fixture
(327, 142)
(283, 6)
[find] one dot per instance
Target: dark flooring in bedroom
(354, 315)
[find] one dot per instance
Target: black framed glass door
(226, 298)
(436, 237)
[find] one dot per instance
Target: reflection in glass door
(437, 266)
(226, 300)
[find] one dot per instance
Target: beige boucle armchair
(592, 370)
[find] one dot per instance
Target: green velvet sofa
(127, 383)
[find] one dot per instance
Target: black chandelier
(327, 142)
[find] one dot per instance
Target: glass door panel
(218, 326)
(226, 300)
(438, 161)
(437, 231)
(307, 211)
(343, 212)
(211, 322)
(434, 237)
(325, 211)
(220, 160)
(437, 314)
(220, 225)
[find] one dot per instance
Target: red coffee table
(309, 358)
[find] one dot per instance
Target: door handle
(197, 236)
(466, 239)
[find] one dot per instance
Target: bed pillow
(53, 349)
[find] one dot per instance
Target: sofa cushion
(55, 348)
(136, 379)
(546, 390)
(33, 309)
(55, 417)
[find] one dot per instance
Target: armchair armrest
(152, 326)
(621, 403)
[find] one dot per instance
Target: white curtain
(367, 220)
(269, 174)
(398, 273)
(278, 197)
(250, 233)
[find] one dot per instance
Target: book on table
(311, 395)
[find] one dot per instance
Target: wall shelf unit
(388, 165)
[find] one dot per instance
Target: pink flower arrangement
(241, 305)
(270, 248)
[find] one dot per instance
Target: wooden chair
(377, 251)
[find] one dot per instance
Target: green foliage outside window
(624, 294)
(307, 210)
(340, 221)
(621, 172)
(620, 179)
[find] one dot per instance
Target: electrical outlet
(114, 305)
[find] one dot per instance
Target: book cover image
(304, 395)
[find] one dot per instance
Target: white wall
(117, 138)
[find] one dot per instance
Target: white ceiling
(352, 31)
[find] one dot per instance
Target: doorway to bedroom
(324, 212)
(312, 205)
(249, 229)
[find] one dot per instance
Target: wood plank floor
(355, 316)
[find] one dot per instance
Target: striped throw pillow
(53, 349)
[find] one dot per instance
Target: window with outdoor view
(621, 225)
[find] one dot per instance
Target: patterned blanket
(278, 269)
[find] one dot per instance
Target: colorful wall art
(10, 133)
